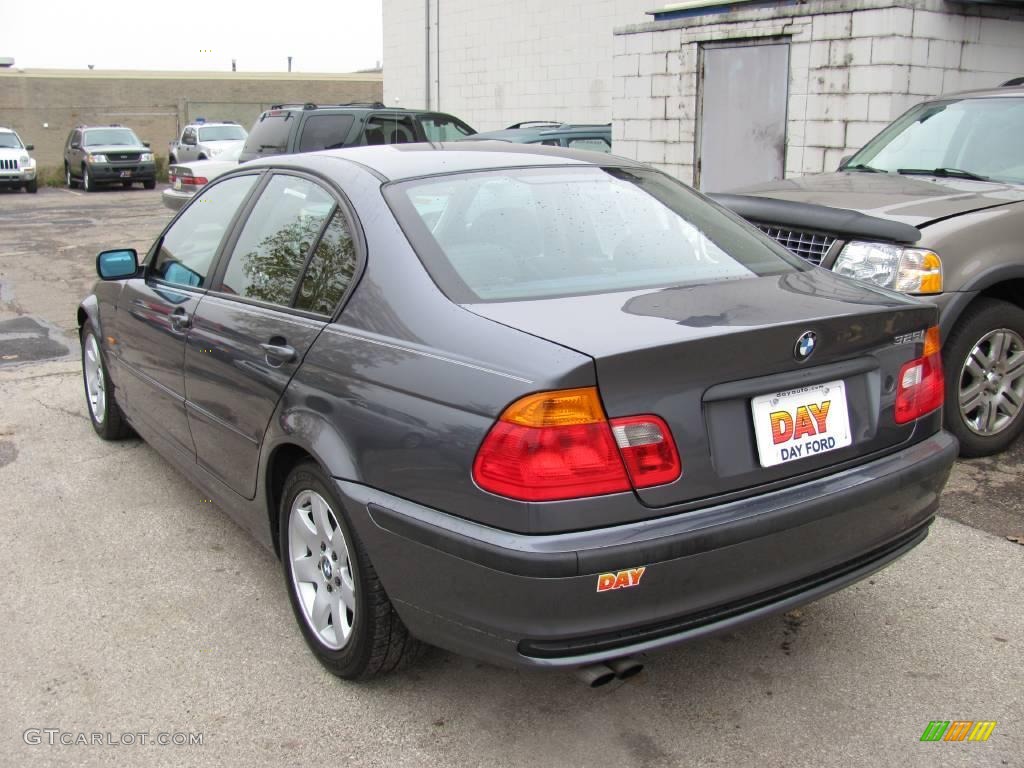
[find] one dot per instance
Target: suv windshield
(96, 137)
(222, 133)
(977, 136)
(539, 233)
(9, 141)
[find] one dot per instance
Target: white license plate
(126, 174)
(802, 422)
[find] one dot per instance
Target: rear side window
(269, 136)
(189, 246)
(325, 132)
(536, 233)
(330, 270)
(444, 128)
(590, 144)
(389, 129)
(271, 251)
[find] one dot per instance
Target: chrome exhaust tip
(595, 675)
(626, 668)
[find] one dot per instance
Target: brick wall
(854, 66)
(155, 104)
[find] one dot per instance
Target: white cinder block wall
(854, 66)
(503, 62)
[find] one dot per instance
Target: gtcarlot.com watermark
(57, 737)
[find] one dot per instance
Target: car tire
(172, 160)
(983, 360)
(68, 178)
(322, 557)
(87, 183)
(100, 400)
(149, 184)
(32, 187)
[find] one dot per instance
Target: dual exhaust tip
(597, 675)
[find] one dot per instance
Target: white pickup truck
(207, 141)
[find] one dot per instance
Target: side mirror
(29, 147)
(75, 145)
(117, 265)
(843, 161)
(145, 144)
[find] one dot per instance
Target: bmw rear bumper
(520, 600)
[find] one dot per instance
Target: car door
(72, 154)
(274, 293)
(155, 311)
(187, 151)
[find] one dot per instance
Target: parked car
(17, 167)
(105, 154)
(207, 141)
(934, 207)
(534, 408)
(290, 128)
(596, 138)
(185, 179)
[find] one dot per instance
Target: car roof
(395, 162)
(552, 129)
(1006, 91)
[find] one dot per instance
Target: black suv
(103, 154)
(289, 128)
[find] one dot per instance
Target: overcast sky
(319, 35)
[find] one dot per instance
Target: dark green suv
(105, 154)
(285, 129)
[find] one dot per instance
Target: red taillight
(647, 448)
(560, 445)
(198, 181)
(920, 387)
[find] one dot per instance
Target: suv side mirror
(843, 161)
(145, 144)
(75, 145)
(117, 265)
(29, 147)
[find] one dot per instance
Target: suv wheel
(984, 362)
(32, 186)
(87, 183)
(339, 602)
(68, 178)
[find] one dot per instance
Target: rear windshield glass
(270, 134)
(98, 137)
(539, 233)
(222, 133)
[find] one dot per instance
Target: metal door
(742, 125)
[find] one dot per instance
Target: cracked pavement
(130, 604)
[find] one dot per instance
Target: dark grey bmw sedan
(540, 407)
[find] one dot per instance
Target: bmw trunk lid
(714, 360)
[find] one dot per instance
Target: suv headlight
(908, 270)
(97, 158)
(25, 161)
(146, 157)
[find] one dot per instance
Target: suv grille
(8, 165)
(806, 245)
(132, 156)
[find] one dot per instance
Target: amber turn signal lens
(932, 342)
(563, 408)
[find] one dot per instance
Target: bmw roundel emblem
(805, 345)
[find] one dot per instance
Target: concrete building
(43, 105)
(793, 84)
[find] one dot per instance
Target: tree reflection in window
(330, 270)
(271, 250)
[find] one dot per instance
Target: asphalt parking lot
(132, 606)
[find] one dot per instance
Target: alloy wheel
(94, 386)
(992, 382)
(321, 569)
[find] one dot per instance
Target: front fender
(89, 310)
